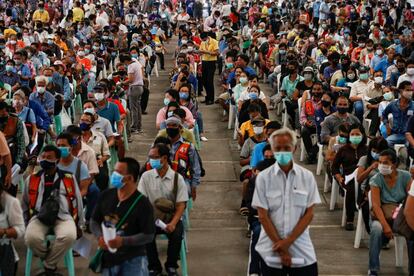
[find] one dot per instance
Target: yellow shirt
(42, 16)
(211, 45)
(62, 45)
(78, 14)
(248, 127)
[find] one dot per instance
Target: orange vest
(69, 184)
(181, 156)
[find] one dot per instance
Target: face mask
(407, 94)
(229, 65)
(166, 101)
(41, 90)
(13, 42)
(379, 52)
(81, 53)
(183, 41)
(89, 110)
(342, 110)
(282, 52)
(99, 96)
(363, 76)
(50, 42)
(64, 151)
(183, 96)
(361, 45)
(116, 180)
(87, 51)
(95, 48)
(283, 157)
(410, 71)
(105, 37)
(378, 80)
(9, 68)
(342, 140)
(326, 103)
(401, 69)
(18, 62)
(85, 126)
(155, 163)
(311, 39)
(351, 76)
(388, 96)
(47, 165)
(172, 132)
(308, 76)
(170, 113)
(374, 155)
(258, 130)
(243, 80)
(355, 140)
(384, 169)
(253, 96)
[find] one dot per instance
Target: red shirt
(119, 104)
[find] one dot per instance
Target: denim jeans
(359, 110)
(396, 139)
(200, 122)
(92, 199)
(137, 266)
(254, 258)
(272, 79)
(376, 240)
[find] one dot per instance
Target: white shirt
(135, 68)
(405, 77)
(286, 199)
(244, 96)
(360, 88)
(411, 191)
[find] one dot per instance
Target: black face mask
(172, 132)
(401, 69)
(47, 165)
(326, 103)
(317, 95)
(342, 110)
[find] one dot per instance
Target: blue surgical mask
(252, 96)
(64, 151)
(166, 101)
(183, 96)
(283, 157)
(374, 155)
(9, 68)
(116, 180)
(134, 56)
(155, 163)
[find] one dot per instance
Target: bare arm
(409, 211)
(267, 224)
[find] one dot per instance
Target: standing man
(138, 228)
(209, 50)
(136, 88)
(284, 197)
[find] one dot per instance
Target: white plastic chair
(320, 159)
(232, 115)
(155, 69)
(285, 114)
(326, 184)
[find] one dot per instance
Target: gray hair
(281, 132)
(42, 78)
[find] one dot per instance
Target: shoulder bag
(163, 207)
(96, 261)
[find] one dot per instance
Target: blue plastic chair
(183, 254)
(69, 263)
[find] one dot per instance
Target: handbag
(165, 208)
(400, 225)
(96, 261)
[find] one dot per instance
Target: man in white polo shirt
(284, 197)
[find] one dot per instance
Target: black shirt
(140, 220)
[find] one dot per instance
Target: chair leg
(183, 257)
(29, 257)
(326, 184)
(302, 150)
(320, 160)
(69, 263)
(343, 222)
(359, 230)
(399, 250)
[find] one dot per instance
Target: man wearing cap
(60, 79)
(359, 91)
(210, 51)
(183, 155)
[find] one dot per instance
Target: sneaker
(203, 138)
(171, 271)
(386, 246)
(137, 131)
(349, 226)
(372, 273)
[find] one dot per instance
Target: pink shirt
(161, 117)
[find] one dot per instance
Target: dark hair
(253, 107)
(342, 97)
(74, 130)
(265, 148)
(163, 150)
(65, 136)
(180, 112)
(404, 84)
(132, 166)
(392, 155)
(174, 93)
(124, 57)
(264, 164)
(53, 148)
(4, 105)
(362, 129)
(162, 140)
(344, 127)
(378, 143)
(245, 58)
(90, 101)
(273, 125)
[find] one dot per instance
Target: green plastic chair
(183, 254)
(69, 263)
(197, 137)
(112, 161)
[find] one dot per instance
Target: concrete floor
(217, 240)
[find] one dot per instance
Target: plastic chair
(232, 116)
(320, 159)
(334, 198)
(183, 254)
(326, 184)
(285, 114)
(112, 161)
(69, 263)
(58, 124)
(196, 132)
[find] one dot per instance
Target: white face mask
(258, 130)
(41, 90)
(384, 169)
(410, 71)
(90, 110)
(379, 52)
(378, 80)
(99, 96)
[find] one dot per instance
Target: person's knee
(376, 229)
(33, 238)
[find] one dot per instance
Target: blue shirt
(257, 154)
(47, 100)
(316, 6)
(24, 71)
(72, 168)
(191, 79)
(11, 79)
(249, 70)
(376, 59)
(43, 119)
(400, 117)
(63, 82)
(110, 112)
(27, 115)
(382, 66)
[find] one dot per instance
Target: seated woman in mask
(254, 92)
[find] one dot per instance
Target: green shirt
(398, 193)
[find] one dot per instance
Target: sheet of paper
(350, 177)
(34, 145)
(276, 261)
(109, 233)
(83, 247)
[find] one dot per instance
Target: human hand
(281, 246)
(170, 227)
(115, 243)
(374, 165)
(388, 232)
(102, 243)
(100, 163)
(286, 258)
